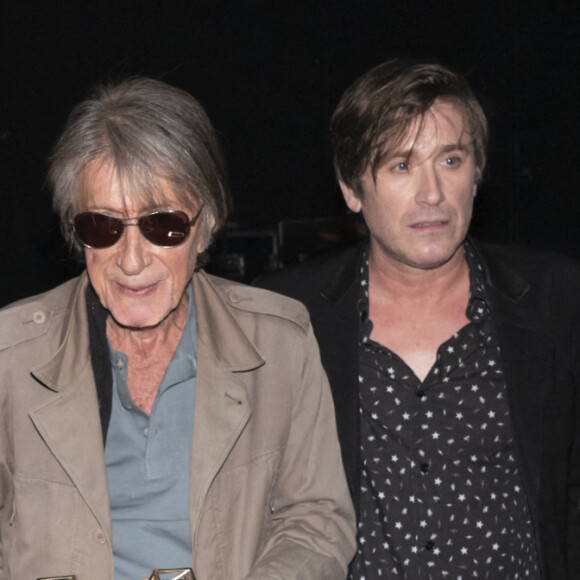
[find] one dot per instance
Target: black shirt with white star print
(441, 495)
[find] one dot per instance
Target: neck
(143, 342)
(390, 278)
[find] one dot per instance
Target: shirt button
(145, 432)
(99, 536)
(127, 405)
(119, 364)
(425, 467)
(421, 394)
(429, 545)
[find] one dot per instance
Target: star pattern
(441, 495)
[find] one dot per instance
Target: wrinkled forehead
(102, 183)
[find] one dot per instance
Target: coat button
(99, 536)
(39, 317)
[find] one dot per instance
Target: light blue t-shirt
(147, 459)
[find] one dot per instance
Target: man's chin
(433, 258)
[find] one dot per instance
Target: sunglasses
(166, 229)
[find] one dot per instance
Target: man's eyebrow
(455, 147)
(398, 154)
(408, 153)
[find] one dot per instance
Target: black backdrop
(269, 74)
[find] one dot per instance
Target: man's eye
(402, 166)
(452, 161)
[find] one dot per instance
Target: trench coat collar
(216, 326)
(72, 355)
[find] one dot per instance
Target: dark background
(269, 73)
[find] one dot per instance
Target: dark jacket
(535, 303)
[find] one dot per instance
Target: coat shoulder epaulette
(260, 301)
(31, 317)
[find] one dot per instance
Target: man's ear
(208, 225)
(350, 197)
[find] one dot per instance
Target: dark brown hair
(377, 111)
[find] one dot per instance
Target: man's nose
(133, 255)
(429, 186)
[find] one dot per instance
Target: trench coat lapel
(69, 420)
(222, 402)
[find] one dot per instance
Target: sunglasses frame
(136, 221)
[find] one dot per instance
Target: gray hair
(147, 131)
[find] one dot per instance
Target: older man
(152, 416)
(454, 365)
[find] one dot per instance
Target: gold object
(172, 574)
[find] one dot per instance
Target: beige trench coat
(268, 497)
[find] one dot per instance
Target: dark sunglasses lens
(97, 230)
(165, 228)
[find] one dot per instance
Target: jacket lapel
(69, 421)
(222, 404)
(523, 343)
(523, 348)
(336, 323)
